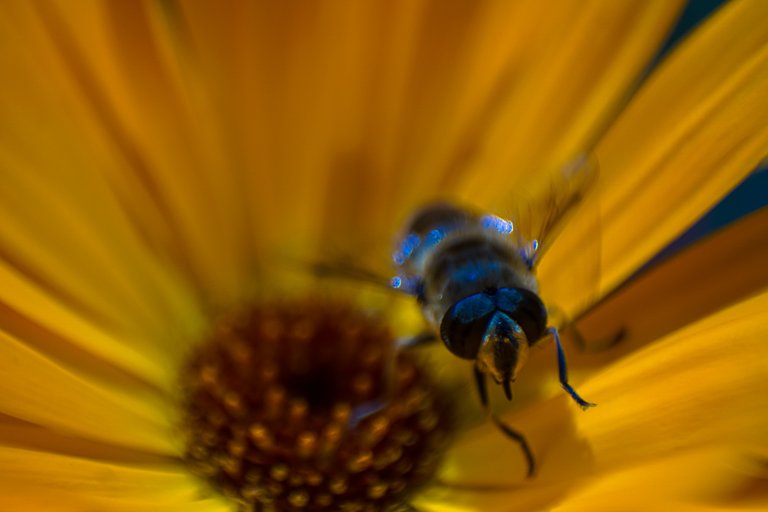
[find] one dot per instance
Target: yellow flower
(157, 158)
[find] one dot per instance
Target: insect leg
(563, 371)
(346, 270)
(419, 340)
(482, 390)
(520, 440)
(366, 409)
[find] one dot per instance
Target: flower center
(306, 406)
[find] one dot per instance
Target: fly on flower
(473, 275)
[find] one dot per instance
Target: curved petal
(694, 130)
(700, 392)
(474, 498)
(717, 272)
(32, 312)
(38, 390)
(63, 234)
(708, 479)
(714, 273)
(17, 433)
(29, 499)
(701, 386)
(567, 80)
(369, 96)
(40, 479)
(130, 155)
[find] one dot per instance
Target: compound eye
(526, 309)
(465, 323)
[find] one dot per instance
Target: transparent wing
(537, 222)
(345, 269)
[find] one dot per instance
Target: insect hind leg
(517, 437)
(563, 371)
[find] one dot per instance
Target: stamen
(268, 402)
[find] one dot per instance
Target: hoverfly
(473, 276)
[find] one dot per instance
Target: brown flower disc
(306, 406)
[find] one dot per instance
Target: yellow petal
(68, 483)
(370, 95)
(486, 498)
(693, 284)
(16, 433)
(564, 85)
(708, 479)
(713, 273)
(119, 144)
(64, 238)
(701, 386)
(66, 246)
(693, 131)
(40, 391)
(289, 83)
(34, 314)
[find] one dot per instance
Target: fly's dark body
(470, 277)
(473, 277)
(475, 284)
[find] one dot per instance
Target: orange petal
(17, 433)
(708, 479)
(41, 391)
(694, 130)
(67, 483)
(703, 385)
(66, 243)
(54, 322)
(700, 388)
(106, 142)
(713, 273)
(409, 99)
(564, 86)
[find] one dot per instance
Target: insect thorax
(468, 262)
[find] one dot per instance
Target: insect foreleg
(563, 371)
(419, 340)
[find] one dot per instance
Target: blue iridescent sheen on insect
(528, 253)
(495, 223)
(409, 285)
(472, 272)
(413, 247)
(434, 237)
(410, 242)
